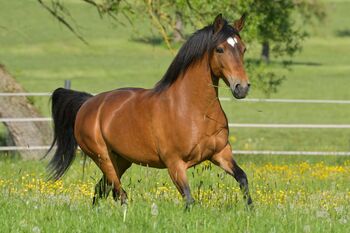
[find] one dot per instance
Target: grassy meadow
(291, 193)
(293, 196)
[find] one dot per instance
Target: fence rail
(23, 148)
(304, 101)
(271, 152)
(237, 152)
(300, 101)
(8, 94)
(25, 119)
(231, 125)
(290, 126)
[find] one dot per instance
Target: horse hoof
(94, 201)
(124, 202)
(249, 201)
(189, 205)
(250, 205)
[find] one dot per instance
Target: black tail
(65, 106)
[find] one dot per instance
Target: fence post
(67, 84)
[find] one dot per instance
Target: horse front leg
(224, 159)
(177, 172)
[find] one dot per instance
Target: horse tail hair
(65, 106)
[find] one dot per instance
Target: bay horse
(176, 125)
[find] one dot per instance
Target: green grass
(289, 196)
(41, 54)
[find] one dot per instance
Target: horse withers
(176, 125)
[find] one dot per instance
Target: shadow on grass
(152, 40)
(158, 41)
(343, 33)
(285, 63)
(301, 63)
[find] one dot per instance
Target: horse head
(226, 56)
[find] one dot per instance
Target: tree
(24, 134)
(279, 26)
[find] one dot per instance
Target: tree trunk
(22, 133)
(178, 28)
(265, 52)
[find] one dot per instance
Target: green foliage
(268, 21)
(272, 22)
(263, 77)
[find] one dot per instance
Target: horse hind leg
(121, 166)
(105, 186)
(102, 190)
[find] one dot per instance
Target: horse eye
(219, 50)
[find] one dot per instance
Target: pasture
(290, 193)
(290, 196)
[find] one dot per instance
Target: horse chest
(209, 144)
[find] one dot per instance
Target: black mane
(202, 41)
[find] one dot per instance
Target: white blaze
(232, 41)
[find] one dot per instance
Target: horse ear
(218, 23)
(239, 24)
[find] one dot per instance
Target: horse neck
(196, 88)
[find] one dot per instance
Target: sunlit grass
(315, 194)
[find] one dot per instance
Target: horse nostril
(248, 85)
(237, 86)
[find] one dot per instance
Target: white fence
(231, 125)
(304, 101)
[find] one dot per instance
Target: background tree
(22, 134)
(279, 26)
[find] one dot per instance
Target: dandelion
(307, 229)
(339, 209)
(36, 229)
(322, 214)
(233, 139)
(154, 209)
(23, 223)
(343, 220)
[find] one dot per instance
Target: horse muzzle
(240, 91)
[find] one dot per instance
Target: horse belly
(134, 146)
